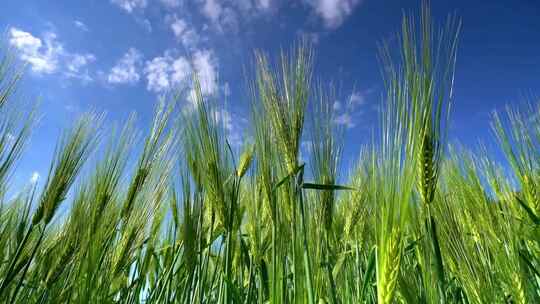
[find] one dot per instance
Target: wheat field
(179, 216)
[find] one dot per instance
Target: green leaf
(288, 177)
(525, 256)
(530, 212)
(325, 187)
(370, 270)
(410, 247)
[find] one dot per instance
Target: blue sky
(118, 56)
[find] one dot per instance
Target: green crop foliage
(185, 218)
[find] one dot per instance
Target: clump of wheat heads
(326, 150)
(284, 96)
(421, 88)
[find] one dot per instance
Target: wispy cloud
(263, 4)
(77, 61)
(167, 71)
(174, 72)
(41, 55)
(345, 119)
(205, 64)
(333, 12)
(158, 73)
(81, 25)
(184, 32)
(76, 66)
(357, 99)
(126, 69)
(255, 7)
(130, 5)
(353, 108)
(222, 17)
(230, 15)
(212, 9)
(47, 55)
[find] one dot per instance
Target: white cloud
(231, 15)
(333, 12)
(157, 74)
(75, 66)
(254, 7)
(181, 70)
(356, 99)
(212, 9)
(264, 4)
(47, 55)
(164, 72)
(42, 57)
(205, 64)
(79, 61)
(168, 71)
(34, 177)
(24, 40)
(229, 20)
(136, 8)
(81, 25)
(178, 27)
(184, 33)
(130, 5)
(127, 68)
(345, 119)
(354, 106)
(223, 16)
